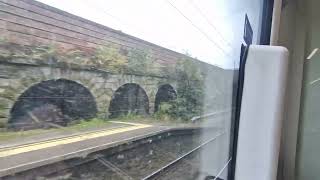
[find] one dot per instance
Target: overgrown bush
(190, 91)
(110, 57)
(49, 53)
(163, 112)
(142, 62)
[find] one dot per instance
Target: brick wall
(31, 23)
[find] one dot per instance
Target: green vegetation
(142, 62)
(164, 112)
(186, 72)
(2, 124)
(49, 52)
(110, 56)
(3, 40)
(85, 125)
(129, 117)
(106, 57)
(76, 126)
(88, 124)
(157, 118)
(190, 92)
(9, 135)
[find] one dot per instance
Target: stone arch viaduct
(26, 23)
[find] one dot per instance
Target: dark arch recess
(165, 93)
(129, 98)
(50, 103)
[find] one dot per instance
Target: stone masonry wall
(15, 79)
(28, 23)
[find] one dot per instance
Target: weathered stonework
(41, 25)
(101, 85)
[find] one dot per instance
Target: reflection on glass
(80, 100)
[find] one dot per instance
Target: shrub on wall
(111, 58)
(142, 62)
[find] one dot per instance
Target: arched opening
(129, 99)
(50, 103)
(165, 93)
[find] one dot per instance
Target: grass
(86, 125)
(79, 126)
(8, 135)
(157, 118)
(130, 118)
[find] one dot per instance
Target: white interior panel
(261, 113)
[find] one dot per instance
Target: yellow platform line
(127, 123)
(47, 144)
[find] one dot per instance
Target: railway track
(167, 167)
(143, 159)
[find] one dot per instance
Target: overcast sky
(210, 30)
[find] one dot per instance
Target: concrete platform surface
(27, 156)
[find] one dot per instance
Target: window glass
(308, 163)
(120, 89)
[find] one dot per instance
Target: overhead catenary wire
(112, 16)
(127, 25)
(198, 28)
(197, 8)
(220, 48)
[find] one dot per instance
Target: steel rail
(164, 168)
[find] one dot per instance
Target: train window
(307, 145)
(121, 89)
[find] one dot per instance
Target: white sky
(158, 22)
